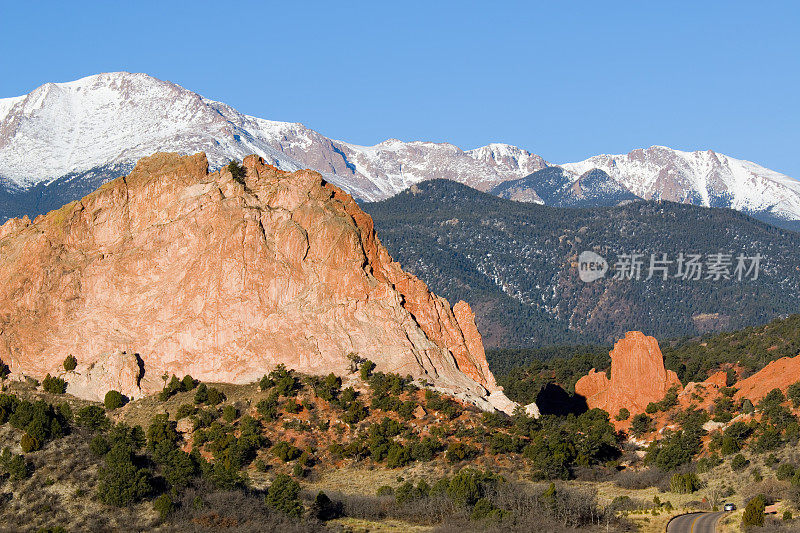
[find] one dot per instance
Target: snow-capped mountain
(64, 139)
(702, 178)
(559, 187)
(71, 131)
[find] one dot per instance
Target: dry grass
(385, 526)
(60, 492)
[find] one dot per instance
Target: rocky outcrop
(778, 374)
(120, 371)
(638, 377)
(201, 273)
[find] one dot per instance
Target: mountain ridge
(52, 133)
(515, 262)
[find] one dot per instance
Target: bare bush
(642, 479)
(594, 473)
(202, 508)
(772, 489)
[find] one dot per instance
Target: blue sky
(564, 80)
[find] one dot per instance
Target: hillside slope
(516, 264)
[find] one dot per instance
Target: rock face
(638, 377)
(778, 374)
(203, 274)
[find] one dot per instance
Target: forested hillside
(516, 264)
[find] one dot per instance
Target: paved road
(695, 523)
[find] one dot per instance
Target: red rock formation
(718, 379)
(200, 274)
(778, 374)
(638, 377)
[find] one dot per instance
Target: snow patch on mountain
(88, 128)
(117, 118)
(703, 177)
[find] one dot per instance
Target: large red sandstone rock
(778, 374)
(200, 274)
(638, 377)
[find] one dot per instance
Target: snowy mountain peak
(703, 177)
(54, 131)
(63, 139)
(506, 155)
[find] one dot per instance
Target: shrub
(122, 483)
(708, 463)
(651, 408)
(739, 462)
(670, 399)
(229, 413)
(754, 512)
(99, 446)
(285, 451)
(265, 383)
(284, 496)
(184, 411)
(458, 451)
(328, 389)
(398, 456)
(470, 485)
(793, 393)
(444, 406)
(201, 394)
(29, 443)
(65, 411)
(325, 509)
(134, 437)
(188, 383)
(15, 465)
(675, 450)
(54, 385)
(92, 417)
(170, 389)
(70, 363)
(366, 369)
(623, 414)
(268, 408)
(237, 171)
(684, 483)
(283, 380)
(484, 509)
(163, 505)
(215, 396)
(785, 471)
(747, 406)
(641, 424)
(114, 400)
(161, 429)
(355, 413)
(291, 406)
